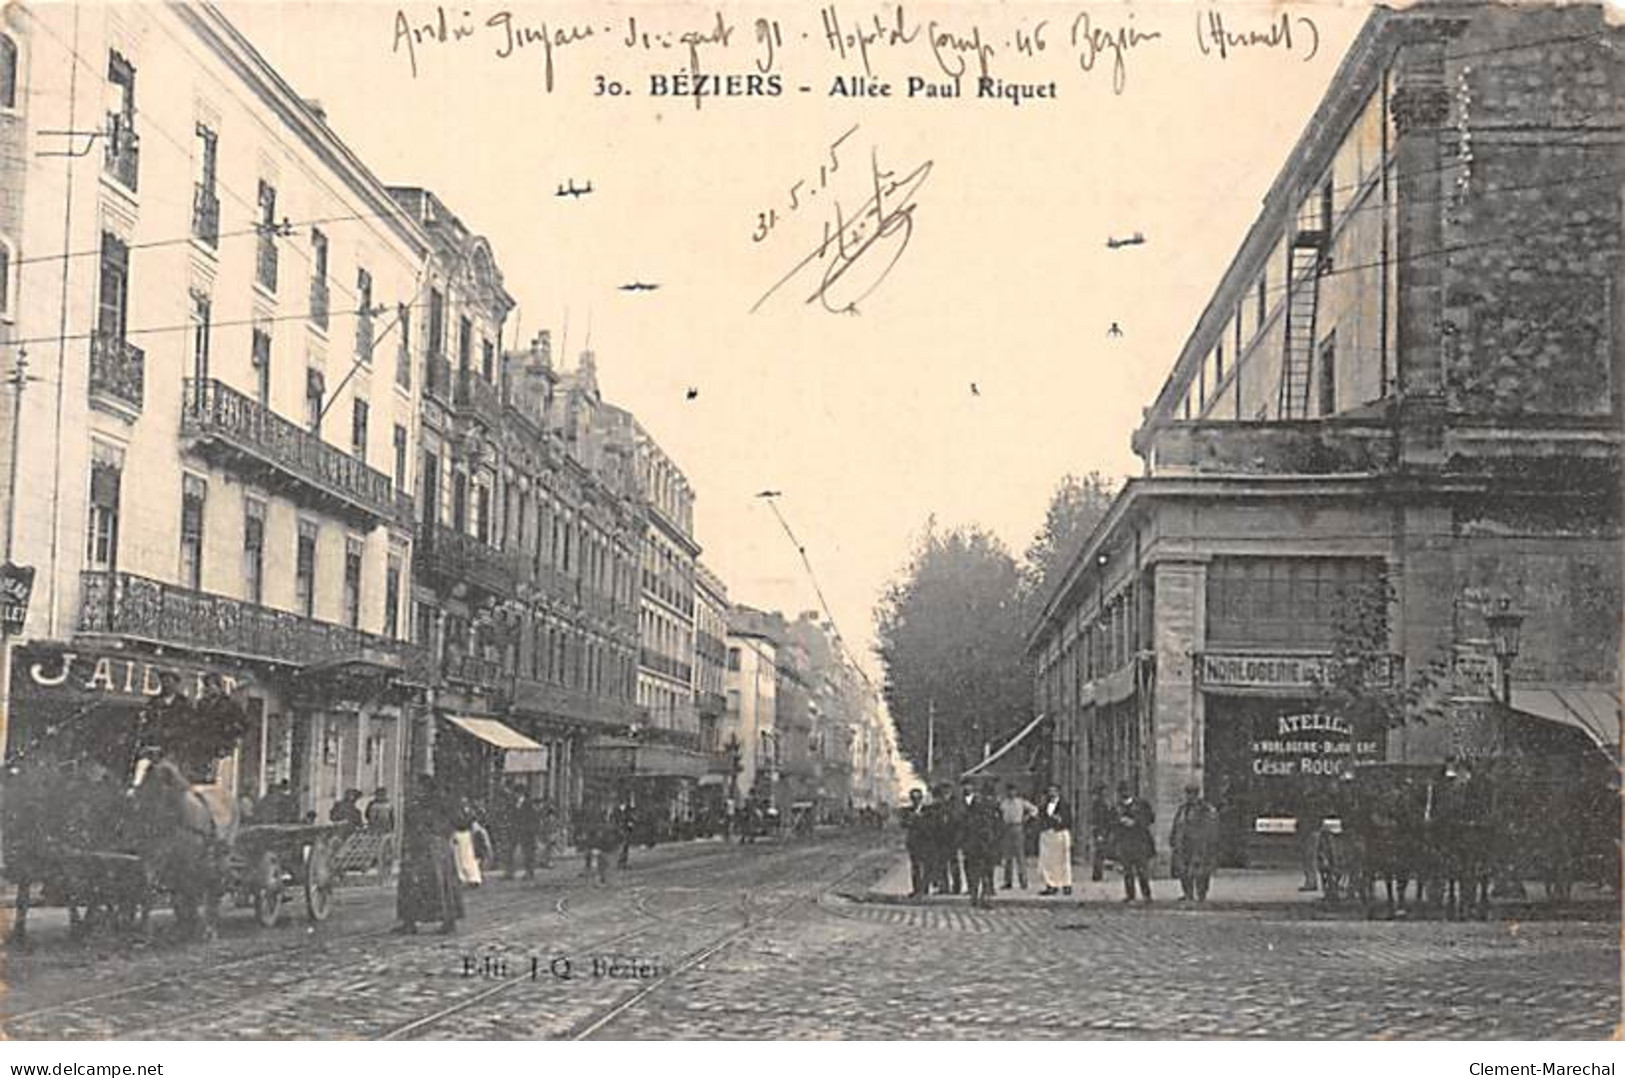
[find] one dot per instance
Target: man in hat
(1133, 843)
(1193, 842)
(916, 827)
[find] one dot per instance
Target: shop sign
(1474, 673)
(1230, 670)
(1308, 745)
(16, 585)
(42, 672)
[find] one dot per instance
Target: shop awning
(1593, 711)
(519, 753)
(1006, 747)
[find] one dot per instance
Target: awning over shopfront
(519, 753)
(1005, 748)
(1593, 711)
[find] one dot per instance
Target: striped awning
(519, 753)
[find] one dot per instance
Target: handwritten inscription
(857, 249)
(1009, 58)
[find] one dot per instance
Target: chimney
(541, 351)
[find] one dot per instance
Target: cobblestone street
(772, 941)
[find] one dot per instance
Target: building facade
(752, 702)
(221, 493)
(1408, 378)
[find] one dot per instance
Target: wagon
(268, 861)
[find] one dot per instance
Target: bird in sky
(639, 286)
(1128, 241)
(769, 493)
(974, 391)
(692, 393)
(1114, 330)
(572, 191)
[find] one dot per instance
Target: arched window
(8, 72)
(7, 263)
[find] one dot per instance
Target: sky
(993, 271)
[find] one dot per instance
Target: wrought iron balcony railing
(478, 398)
(206, 214)
(248, 435)
(118, 369)
(534, 697)
(451, 557)
(475, 670)
(124, 604)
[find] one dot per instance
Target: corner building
(1410, 368)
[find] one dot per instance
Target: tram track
(519, 901)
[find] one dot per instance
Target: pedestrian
(1193, 844)
(1310, 818)
(526, 821)
(1014, 812)
(1055, 843)
(278, 805)
(626, 822)
(428, 888)
(605, 837)
(983, 830)
(1100, 833)
(468, 862)
(1133, 843)
(346, 812)
(916, 831)
(380, 814)
(948, 827)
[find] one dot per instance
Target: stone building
(752, 701)
(218, 485)
(1409, 371)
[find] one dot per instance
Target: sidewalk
(1232, 889)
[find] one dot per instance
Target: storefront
(1270, 754)
(479, 754)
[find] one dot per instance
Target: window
(315, 390)
(205, 195)
(400, 458)
(392, 596)
(254, 550)
(318, 277)
(120, 147)
(113, 293)
(403, 356)
(482, 512)
(733, 658)
(193, 492)
(488, 361)
(106, 477)
(465, 344)
(5, 273)
(459, 502)
(1218, 366)
(1328, 376)
(261, 360)
(1263, 298)
(304, 573)
(363, 315)
(265, 264)
(352, 582)
(200, 338)
(429, 496)
(358, 429)
(1289, 602)
(8, 72)
(437, 324)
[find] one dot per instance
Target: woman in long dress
(428, 888)
(1055, 843)
(468, 861)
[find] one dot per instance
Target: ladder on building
(1303, 296)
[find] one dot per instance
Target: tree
(1363, 683)
(950, 632)
(1075, 509)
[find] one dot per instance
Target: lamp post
(1506, 629)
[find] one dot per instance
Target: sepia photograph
(879, 521)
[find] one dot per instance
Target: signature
(1214, 38)
(856, 253)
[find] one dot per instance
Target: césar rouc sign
(1308, 744)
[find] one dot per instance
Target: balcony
(320, 299)
(1315, 447)
(118, 370)
(122, 604)
(222, 423)
(452, 558)
(122, 150)
(542, 698)
(659, 735)
(661, 664)
(437, 378)
(206, 215)
(265, 261)
(478, 398)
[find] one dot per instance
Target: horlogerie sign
(1235, 670)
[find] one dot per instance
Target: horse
(1463, 837)
(184, 845)
(1392, 841)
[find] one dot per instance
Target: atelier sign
(1309, 744)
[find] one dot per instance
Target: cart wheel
(319, 881)
(267, 885)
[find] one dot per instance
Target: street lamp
(1506, 628)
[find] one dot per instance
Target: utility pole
(930, 739)
(18, 380)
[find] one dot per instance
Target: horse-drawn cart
(269, 860)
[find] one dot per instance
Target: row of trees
(951, 628)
